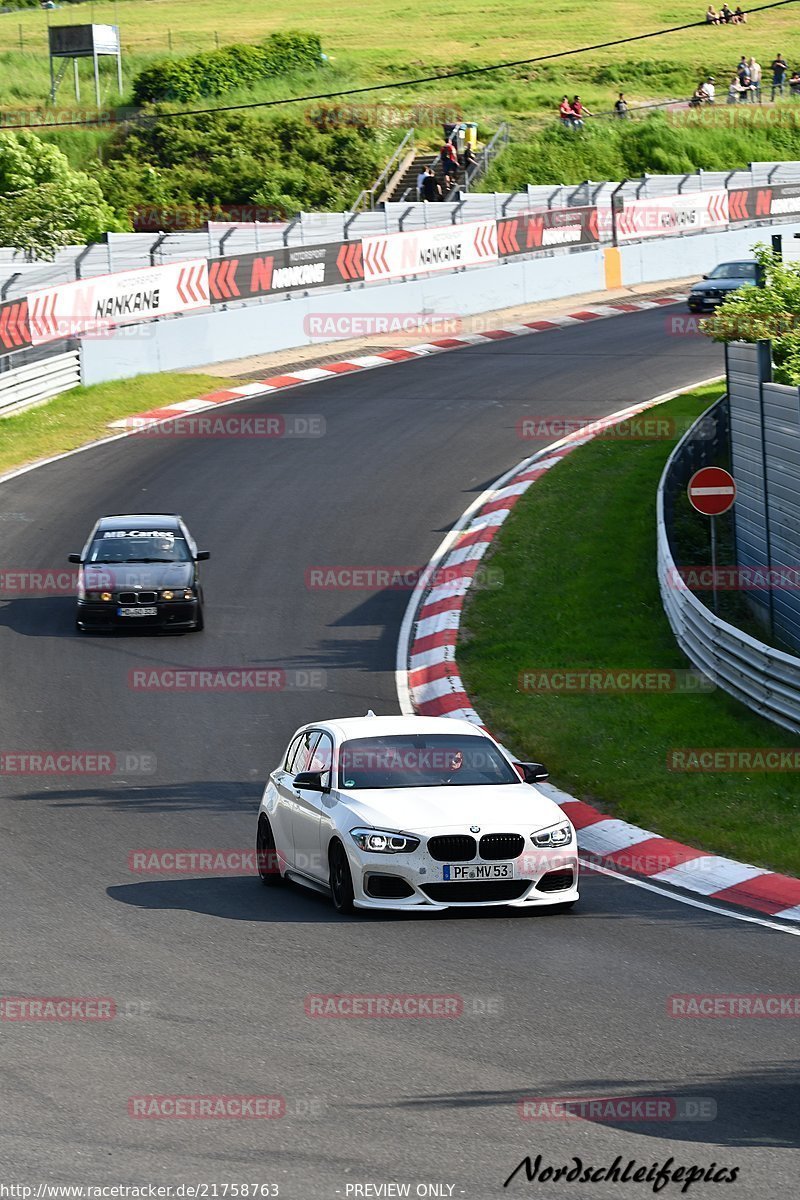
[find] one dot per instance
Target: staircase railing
(366, 200)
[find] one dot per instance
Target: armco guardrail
(40, 380)
(127, 251)
(763, 678)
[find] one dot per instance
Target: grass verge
(577, 557)
(83, 414)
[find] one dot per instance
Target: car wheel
(266, 855)
(340, 878)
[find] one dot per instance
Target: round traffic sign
(711, 491)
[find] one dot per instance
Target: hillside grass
(578, 561)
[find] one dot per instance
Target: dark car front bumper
(170, 614)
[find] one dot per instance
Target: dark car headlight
(177, 594)
(381, 841)
(104, 596)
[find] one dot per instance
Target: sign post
(712, 492)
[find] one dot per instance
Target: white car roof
(361, 727)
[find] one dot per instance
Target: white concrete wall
(258, 328)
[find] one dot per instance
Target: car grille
(556, 881)
(501, 845)
(476, 891)
(138, 597)
(453, 847)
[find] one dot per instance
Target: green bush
(215, 72)
(222, 159)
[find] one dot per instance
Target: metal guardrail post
(289, 229)
(79, 260)
(155, 246)
(8, 283)
(228, 233)
(614, 210)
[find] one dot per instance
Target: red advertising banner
(534, 232)
(15, 330)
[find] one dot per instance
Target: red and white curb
(428, 683)
(367, 362)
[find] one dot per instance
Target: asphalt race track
(209, 972)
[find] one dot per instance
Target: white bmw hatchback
(413, 813)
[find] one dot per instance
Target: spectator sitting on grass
(725, 15)
(711, 15)
(739, 17)
(794, 84)
(710, 90)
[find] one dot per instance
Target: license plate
(450, 874)
(137, 612)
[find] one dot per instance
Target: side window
(323, 758)
(305, 753)
(291, 754)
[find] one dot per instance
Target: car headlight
(556, 835)
(180, 594)
(379, 841)
(106, 596)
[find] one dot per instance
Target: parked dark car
(140, 571)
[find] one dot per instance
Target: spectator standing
(734, 91)
(579, 111)
(565, 112)
(742, 69)
(621, 106)
(420, 182)
(468, 161)
(754, 68)
(710, 89)
(430, 186)
(779, 69)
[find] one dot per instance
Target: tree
(44, 202)
(768, 313)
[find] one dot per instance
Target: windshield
(737, 270)
(138, 545)
(429, 760)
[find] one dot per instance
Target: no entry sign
(711, 491)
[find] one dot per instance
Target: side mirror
(310, 780)
(203, 555)
(706, 277)
(74, 558)
(533, 772)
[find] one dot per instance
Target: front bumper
(536, 872)
(171, 614)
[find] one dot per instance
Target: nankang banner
(289, 269)
(446, 248)
(91, 305)
(534, 232)
(662, 216)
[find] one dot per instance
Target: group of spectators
(745, 85)
(572, 112)
(428, 185)
(725, 16)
